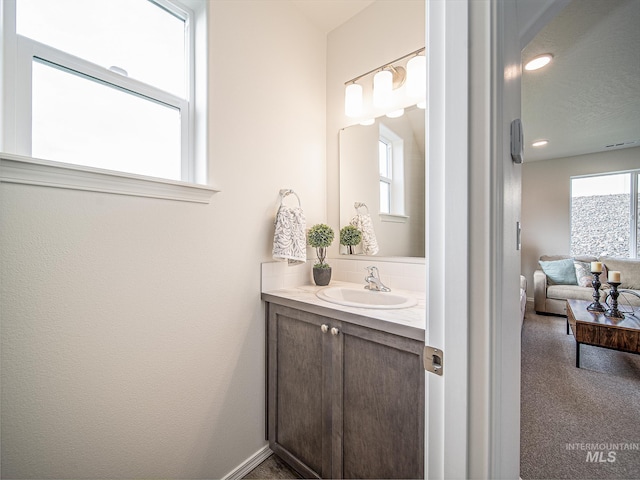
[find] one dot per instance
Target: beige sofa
(551, 299)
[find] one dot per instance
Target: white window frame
(15, 120)
(395, 145)
(384, 179)
(634, 213)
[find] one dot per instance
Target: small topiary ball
(320, 235)
(350, 236)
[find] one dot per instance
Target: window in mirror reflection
(391, 161)
(385, 155)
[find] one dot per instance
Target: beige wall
(132, 328)
(384, 31)
(546, 200)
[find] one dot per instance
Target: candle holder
(613, 312)
(596, 306)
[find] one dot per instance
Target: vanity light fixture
(417, 77)
(396, 113)
(538, 62)
(353, 100)
(382, 89)
(388, 81)
(539, 143)
(384, 83)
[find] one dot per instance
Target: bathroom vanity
(345, 387)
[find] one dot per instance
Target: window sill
(389, 217)
(46, 173)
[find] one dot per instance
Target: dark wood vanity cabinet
(343, 401)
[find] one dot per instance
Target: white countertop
(407, 322)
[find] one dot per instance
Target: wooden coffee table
(592, 328)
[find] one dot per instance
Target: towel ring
(358, 205)
(287, 191)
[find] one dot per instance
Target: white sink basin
(363, 298)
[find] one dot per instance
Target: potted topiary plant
(350, 236)
(320, 236)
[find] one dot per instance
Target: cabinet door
(379, 405)
(298, 412)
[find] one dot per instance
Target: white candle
(596, 267)
(614, 276)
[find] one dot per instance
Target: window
(111, 33)
(391, 169)
(385, 155)
(108, 84)
(78, 120)
(605, 217)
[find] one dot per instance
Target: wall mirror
(383, 167)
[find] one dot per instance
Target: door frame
(446, 171)
(473, 92)
(472, 411)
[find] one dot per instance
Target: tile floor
(272, 468)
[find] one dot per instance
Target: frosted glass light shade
(396, 113)
(382, 89)
(353, 100)
(417, 77)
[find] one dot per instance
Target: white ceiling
(589, 96)
(328, 14)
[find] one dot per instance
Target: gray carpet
(572, 420)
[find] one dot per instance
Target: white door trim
(472, 428)
(447, 237)
(474, 67)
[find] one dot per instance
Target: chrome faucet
(374, 282)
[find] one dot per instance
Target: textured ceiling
(589, 96)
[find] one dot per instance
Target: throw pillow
(560, 272)
(583, 273)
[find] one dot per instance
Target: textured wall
(132, 328)
(546, 201)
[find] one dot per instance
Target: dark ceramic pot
(322, 276)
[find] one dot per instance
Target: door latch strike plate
(433, 360)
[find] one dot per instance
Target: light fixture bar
(388, 64)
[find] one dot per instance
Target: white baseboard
(249, 464)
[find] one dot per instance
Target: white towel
(362, 221)
(289, 239)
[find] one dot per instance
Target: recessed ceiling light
(538, 62)
(539, 143)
